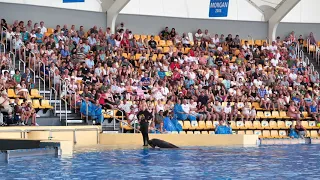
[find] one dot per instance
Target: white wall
(88, 5)
(306, 11)
(238, 9)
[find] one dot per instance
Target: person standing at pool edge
(143, 117)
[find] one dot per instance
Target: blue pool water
(266, 162)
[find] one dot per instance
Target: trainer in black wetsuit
(144, 116)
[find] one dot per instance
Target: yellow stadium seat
(258, 132)
(209, 125)
(283, 115)
(157, 38)
(138, 56)
(242, 41)
(154, 57)
(281, 125)
(182, 132)
(249, 132)
(162, 43)
(136, 36)
(248, 124)
(160, 56)
(288, 124)
(266, 134)
(250, 42)
(241, 132)
(260, 114)
(257, 125)
(212, 132)
(125, 55)
(312, 125)
(35, 93)
(240, 125)
(194, 125)
(258, 42)
(274, 134)
(201, 125)
(273, 125)
(12, 94)
(312, 48)
(215, 123)
(181, 123)
(196, 132)
(275, 115)
(186, 50)
(314, 134)
(189, 132)
(233, 125)
(305, 124)
(204, 132)
(47, 34)
(283, 134)
(306, 115)
(267, 114)
(186, 125)
(45, 104)
(256, 106)
(308, 133)
(143, 37)
(174, 132)
(50, 30)
(36, 104)
(169, 43)
(125, 125)
(166, 49)
(265, 125)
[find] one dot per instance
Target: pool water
(265, 162)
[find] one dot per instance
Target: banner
(218, 8)
(72, 1)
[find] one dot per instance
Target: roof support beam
(281, 11)
(113, 8)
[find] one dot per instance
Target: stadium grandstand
(248, 65)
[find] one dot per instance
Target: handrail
(13, 59)
(65, 101)
(122, 121)
(34, 65)
(55, 92)
(5, 30)
(24, 64)
(44, 77)
(114, 123)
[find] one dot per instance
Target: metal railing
(4, 46)
(43, 79)
(32, 69)
(63, 86)
(135, 129)
(4, 30)
(52, 89)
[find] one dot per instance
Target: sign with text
(72, 1)
(218, 8)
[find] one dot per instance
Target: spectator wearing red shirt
(174, 65)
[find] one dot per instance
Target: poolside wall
(90, 135)
(181, 139)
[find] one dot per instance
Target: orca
(161, 144)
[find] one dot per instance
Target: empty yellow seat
(258, 132)
(314, 134)
(182, 132)
(212, 132)
(241, 132)
(12, 94)
(204, 132)
(137, 57)
(312, 125)
(260, 114)
(240, 125)
(249, 132)
(281, 125)
(288, 124)
(35, 93)
(160, 56)
(189, 132)
(306, 115)
(143, 37)
(267, 114)
(166, 49)
(162, 43)
(233, 125)
(36, 104)
(248, 125)
(215, 123)
(45, 104)
(136, 36)
(275, 115)
(283, 134)
(209, 125)
(273, 125)
(274, 134)
(257, 125)
(265, 125)
(196, 132)
(266, 134)
(258, 42)
(194, 125)
(201, 125)
(169, 43)
(283, 115)
(186, 125)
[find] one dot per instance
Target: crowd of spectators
(200, 77)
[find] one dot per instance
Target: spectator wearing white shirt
(246, 45)
(90, 62)
(264, 46)
(42, 28)
(215, 39)
(273, 47)
(198, 36)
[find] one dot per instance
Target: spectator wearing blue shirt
(39, 36)
(111, 41)
(65, 52)
(262, 92)
(188, 82)
(86, 47)
(76, 38)
(145, 81)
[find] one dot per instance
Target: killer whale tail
(161, 144)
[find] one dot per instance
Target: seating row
(33, 94)
(208, 125)
(45, 104)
